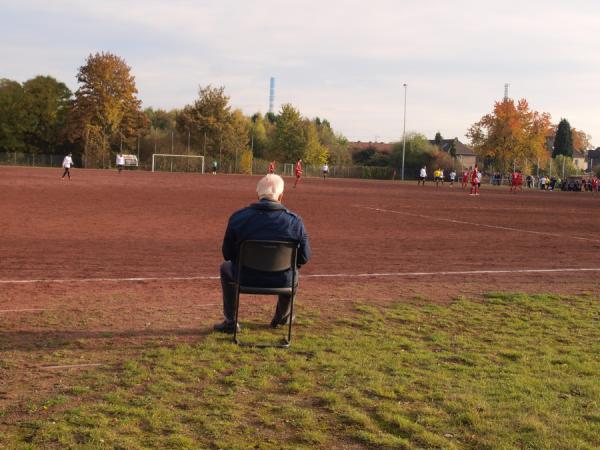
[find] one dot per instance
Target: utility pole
(404, 132)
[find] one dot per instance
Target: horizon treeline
(105, 116)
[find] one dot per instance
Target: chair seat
(265, 291)
(268, 257)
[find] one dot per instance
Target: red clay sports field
(109, 260)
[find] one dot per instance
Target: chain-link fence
(183, 164)
(36, 160)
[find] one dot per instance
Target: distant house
(579, 157)
(464, 154)
(579, 160)
(594, 159)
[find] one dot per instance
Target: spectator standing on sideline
(422, 176)
(267, 219)
(67, 164)
(120, 161)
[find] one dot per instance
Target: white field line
(186, 307)
(99, 280)
(22, 310)
(464, 222)
(323, 275)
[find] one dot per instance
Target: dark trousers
(228, 288)
(66, 172)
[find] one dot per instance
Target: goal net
(165, 162)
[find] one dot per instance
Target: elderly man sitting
(266, 219)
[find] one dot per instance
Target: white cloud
(344, 60)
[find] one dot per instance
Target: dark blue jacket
(265, 220)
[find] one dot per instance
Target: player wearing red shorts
(474, 181)
(465, 179)
(516, 180)
(272, 167)
(298, 171)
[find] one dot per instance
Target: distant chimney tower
(506, 91)
(271, 94)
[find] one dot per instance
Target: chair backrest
(268, 256)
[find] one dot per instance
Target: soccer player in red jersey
(272, 167)
(298, 171)
(519, 180)
(474, 181)
(465, 178)
(595, 184)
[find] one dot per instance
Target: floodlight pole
(404, 133)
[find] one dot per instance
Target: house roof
(594, 154)
(461, 149)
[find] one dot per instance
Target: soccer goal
(288, 170)
(165, 162)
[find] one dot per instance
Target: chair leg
(237, 308)
(291, 316)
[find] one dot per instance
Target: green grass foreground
(513, 371)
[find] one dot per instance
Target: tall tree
(258, 135)
(438, 139)
(207, 119)
(510, 132)
(236, 137)
(563, 140)
(13, 116)
(48, 102)
(339, 153)
(581, 140)
(290, 140)
(418, 151)
(106, 106)
(315, 153)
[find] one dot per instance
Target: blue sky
(342, 60)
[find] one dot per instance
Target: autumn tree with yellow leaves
(106, 109)
(511, 132)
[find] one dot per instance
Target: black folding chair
(267, 256)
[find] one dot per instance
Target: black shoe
(282, 321)
(226, 327)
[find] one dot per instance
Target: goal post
(166, 162)
(288, 169)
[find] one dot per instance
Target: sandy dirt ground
(96, 269)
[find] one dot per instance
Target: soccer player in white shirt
(67, 164)
(325, 170)
(120, 161)
(422, 176)
(452, 177)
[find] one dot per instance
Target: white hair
(270, 187)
